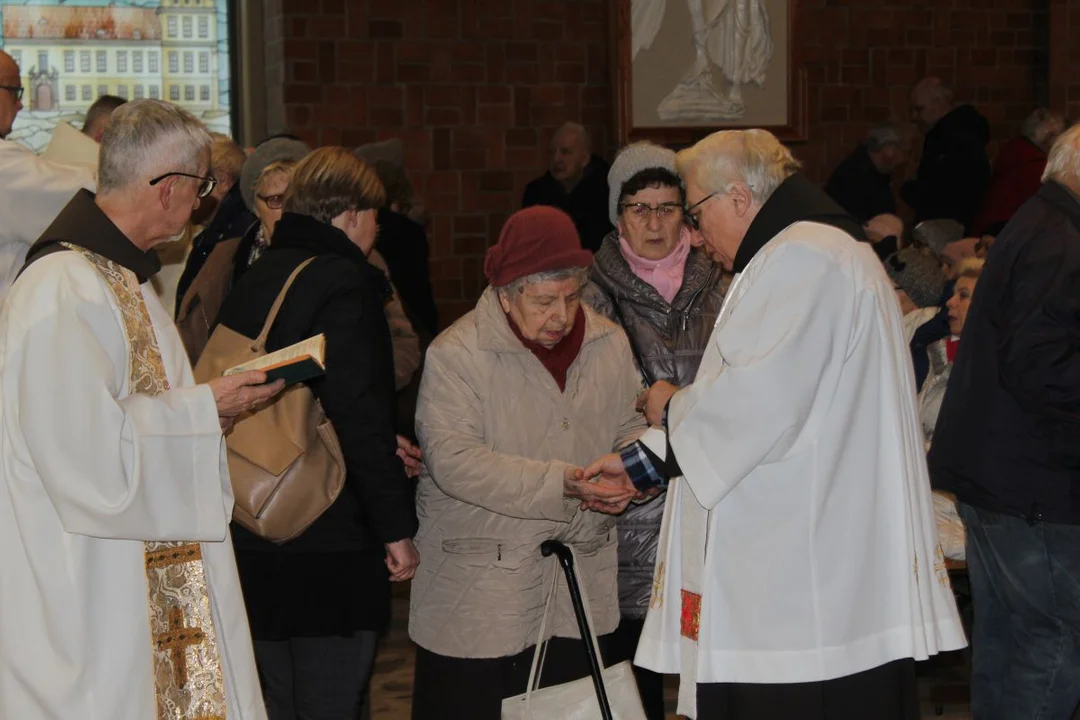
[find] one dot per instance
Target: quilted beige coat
(497, 435)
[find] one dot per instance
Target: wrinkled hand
(410, 455)
(604, 486)
(402, 560)
(236, 394)
(653, 401)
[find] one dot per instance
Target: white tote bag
(575, 700)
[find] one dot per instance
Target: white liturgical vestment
(800, 545)
(33, 191)
(90, 471)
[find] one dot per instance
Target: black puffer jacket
(668, 340)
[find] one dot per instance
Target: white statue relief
(732, 34)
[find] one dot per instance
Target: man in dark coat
(954, 169)
(576, 182)
(862, 182)
(1007, 444)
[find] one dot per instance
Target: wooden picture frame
(789, 125)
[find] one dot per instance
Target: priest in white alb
(119, 596)
(799, 573)
(32, 189)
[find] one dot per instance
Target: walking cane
(566, 559)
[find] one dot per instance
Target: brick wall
(476, 87)
(1064, 60)
(862, 59)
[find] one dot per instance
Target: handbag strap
(260, 342)
(534, 671)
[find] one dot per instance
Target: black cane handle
(566, 559)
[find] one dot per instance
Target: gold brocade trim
(188, 682)
(173, 555)
(658, 588)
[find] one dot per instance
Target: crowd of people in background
(464, 449)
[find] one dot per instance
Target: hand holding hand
(236, 394)
(605, 487)
(410, 455)
(653, 401)
(402, 560)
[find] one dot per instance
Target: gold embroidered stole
(188, 680)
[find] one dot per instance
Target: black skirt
(449, 688)
(888, 692)
(314, 594)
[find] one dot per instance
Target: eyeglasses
(206, 186)
(640, 212)
(693, 220)
(16, 90)
(274, 202)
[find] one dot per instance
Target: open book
(296, 363)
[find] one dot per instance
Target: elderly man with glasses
(798, 572)
(34, 190)
(119, 594)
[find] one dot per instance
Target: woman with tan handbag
(316, 603)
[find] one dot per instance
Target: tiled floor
(391, 693)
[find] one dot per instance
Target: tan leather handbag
(285, 460)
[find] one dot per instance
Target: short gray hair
(883, 136)
(148, 138)
(516, 287)
(579, 130)
(1043, 126)
(754, 157)
(1063, 163)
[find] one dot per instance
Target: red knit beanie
(534, 240)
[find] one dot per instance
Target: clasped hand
(603, 486)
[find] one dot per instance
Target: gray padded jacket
(668, 340)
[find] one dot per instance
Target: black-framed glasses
(641, 212)
(16, 90)
(274, 202)
(206, 184)
(693, 219)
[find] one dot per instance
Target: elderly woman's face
(544, 312)
(268, 201)
(651, 221)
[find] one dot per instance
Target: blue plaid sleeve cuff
(642, 472)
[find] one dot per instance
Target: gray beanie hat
(631, 160)
(391, 151)
(917, 272)
(274, 150)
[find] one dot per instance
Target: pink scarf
(665, 274)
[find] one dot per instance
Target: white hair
(517, 287)
(577, 129)
(1063, 163)
(146, 139)
(753, 157)
(883, 136)
(1043, 126)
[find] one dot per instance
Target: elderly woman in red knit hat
(516, 396)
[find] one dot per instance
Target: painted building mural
(70, 52)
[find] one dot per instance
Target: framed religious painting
(686, 68)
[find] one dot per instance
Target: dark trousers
(320, 678)
(888, 692)
(650, 684)
(1025, 640)
(449, 688)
